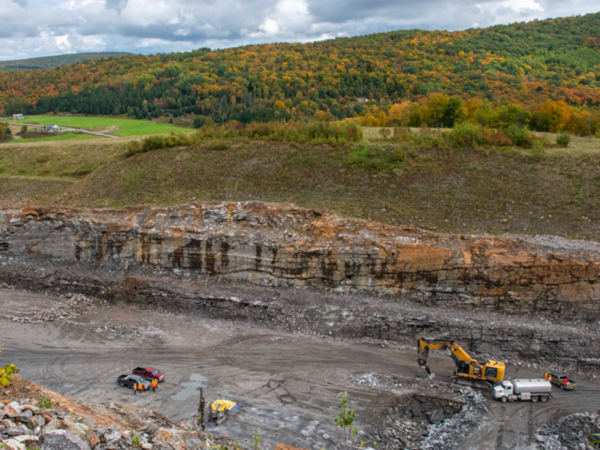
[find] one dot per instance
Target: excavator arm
(460, 357)
(470, 372)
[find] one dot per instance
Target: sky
(31, 28)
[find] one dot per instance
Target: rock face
(284, 245)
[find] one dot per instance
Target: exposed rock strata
(284, 245)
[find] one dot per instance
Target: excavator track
(486, 385)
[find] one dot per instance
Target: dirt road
(289, 383)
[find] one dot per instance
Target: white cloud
(32, 28)
(268, 27)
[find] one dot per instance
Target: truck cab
(504, 391)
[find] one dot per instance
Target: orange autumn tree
(558, 114)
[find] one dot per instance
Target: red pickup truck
(149, 373)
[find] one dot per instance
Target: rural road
(289, 383)
(68, 129)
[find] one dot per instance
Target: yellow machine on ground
(219, 410)
(469, 372)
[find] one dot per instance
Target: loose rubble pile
(446, 434)
(569, 432)
(423, 414)
(34, 422)
(73, 306)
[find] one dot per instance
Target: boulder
(8, 424)
(12, 444)
(36, 421)
(112, 438)
(151, 428)
(33, 409)
(62, 440)
(53, 425)
(2, 414)
(12, 410)
(25, 416)
(173, 435)
(27, 439)
(193, 444)
(76, 428)
(16, 431)
(93, 440)
(146, 446)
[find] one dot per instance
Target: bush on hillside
(519, 135)
(5, 133)
(563, 140)
(496, 138)
(466, 134)
(538, 151)
(375, 157)
(6, 373)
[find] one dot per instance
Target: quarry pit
(283, 308)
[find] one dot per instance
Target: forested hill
(50, 62)
(525, 63)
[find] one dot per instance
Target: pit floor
(289, 383)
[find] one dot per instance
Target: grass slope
(124, 127)
(50, 62)
(465, 191)
(69, 136)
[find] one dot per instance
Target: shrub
(467, 134)
(375, 157)
(519, 135)
(45, 402)
(538, 151)
(5, 133)
(496, 137)
(133, 147)
(24, 129)
(563, 140)
(1, 169)
(6, 374)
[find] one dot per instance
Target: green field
(124, 127)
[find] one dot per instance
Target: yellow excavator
(469, 372)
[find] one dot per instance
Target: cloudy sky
(30, 28)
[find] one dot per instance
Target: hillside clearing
(116, 126)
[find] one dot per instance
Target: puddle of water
(190, 388)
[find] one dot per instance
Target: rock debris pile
(72, 307)
(64, 425)
(569, 432)
(447, 434)
(422, 414)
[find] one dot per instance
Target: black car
(129, 380)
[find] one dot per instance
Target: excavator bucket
(428, 371)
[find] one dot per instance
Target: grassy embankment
(497, 190)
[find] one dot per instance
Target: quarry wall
(284, 245)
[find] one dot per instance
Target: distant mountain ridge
(51, 62)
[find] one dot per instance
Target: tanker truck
(533, 390)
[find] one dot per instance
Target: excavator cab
(469, 371)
